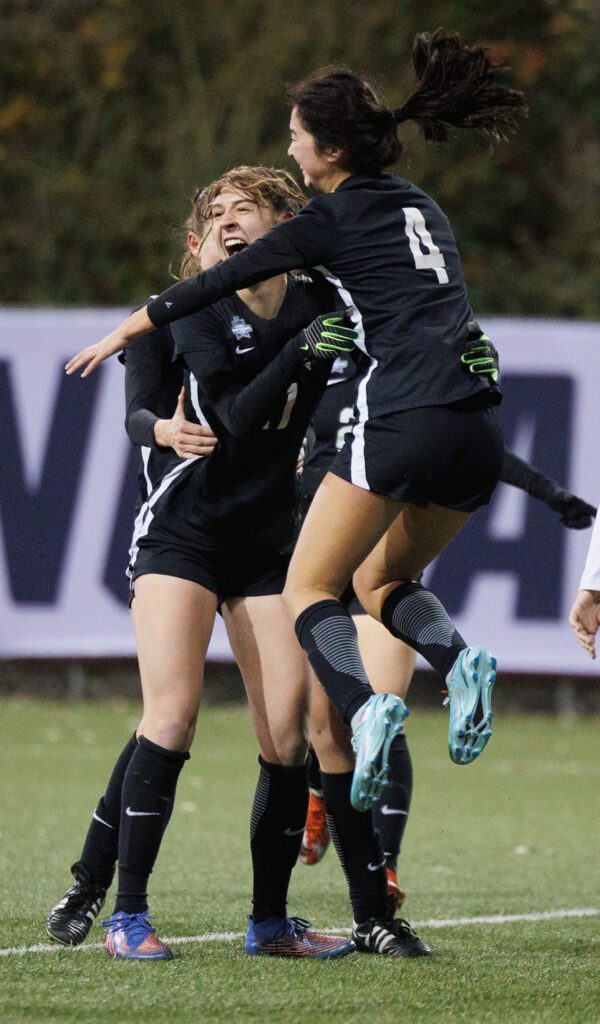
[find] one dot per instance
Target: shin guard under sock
(146, 804)
(328, 635)
(391, 813)
(359, 848)
(276, 827)
(101, 846)
(414, 615)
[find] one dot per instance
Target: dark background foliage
(112, 112)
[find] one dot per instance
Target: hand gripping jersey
(389, 251)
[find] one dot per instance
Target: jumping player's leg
(390, 665)
(275, 674)
(343, 524)
(173, 622)
(386, 584)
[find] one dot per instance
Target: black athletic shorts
(229, 564)
(450, 455)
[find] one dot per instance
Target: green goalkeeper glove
(480, 357)
(329, 336)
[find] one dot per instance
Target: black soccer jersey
(390, 252)
(153, 380)
(258, 402)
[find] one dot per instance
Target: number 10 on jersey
(418, 235)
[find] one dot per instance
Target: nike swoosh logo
(392, 810)
(293, 831)
(375, 867)
(335, 380)
(142, 814)
(101, 820)
(240, 351)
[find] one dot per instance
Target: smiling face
(238, 220)
(319, 167)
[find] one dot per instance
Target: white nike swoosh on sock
(142, 814)
(101, 820)
(375, 867)
(392, 810)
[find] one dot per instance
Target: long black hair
(457, 86)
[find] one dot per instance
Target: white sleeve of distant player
(591, 573)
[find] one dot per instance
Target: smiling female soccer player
(426, 450)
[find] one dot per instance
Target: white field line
(434, 922)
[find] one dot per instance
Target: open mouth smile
(233, 245)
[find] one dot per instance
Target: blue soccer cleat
(292, 937)
(374, 727)
(132, 937)
(470, 685)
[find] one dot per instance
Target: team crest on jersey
(240, 328)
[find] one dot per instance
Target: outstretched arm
(306, 240)
(574, 512)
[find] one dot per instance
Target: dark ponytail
(457, 87)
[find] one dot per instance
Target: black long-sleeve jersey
(390, 252)
(258, 398)
(153, 380)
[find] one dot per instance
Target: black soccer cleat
(389, 938)
(69, 922)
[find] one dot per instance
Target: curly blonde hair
(266, 186)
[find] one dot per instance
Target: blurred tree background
(113, 111)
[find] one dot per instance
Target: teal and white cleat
(470, 685)
(374, 726)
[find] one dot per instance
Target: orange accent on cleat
(316, 834)
(395, 892)
(132, 937)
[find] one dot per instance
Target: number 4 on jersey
(418, 235)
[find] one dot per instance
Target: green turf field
(514, 834)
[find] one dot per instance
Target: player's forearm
(518, 473)
(248, 408)
(265, 258)
(140, 428)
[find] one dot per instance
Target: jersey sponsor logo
(240, 328)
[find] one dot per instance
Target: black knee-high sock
(359, 848)
(328, 635)
(314, 773)
(415, 615)
(146, 804)
(276, 826)
(391, 813)
(101, 846)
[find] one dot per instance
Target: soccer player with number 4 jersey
(426, 449)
